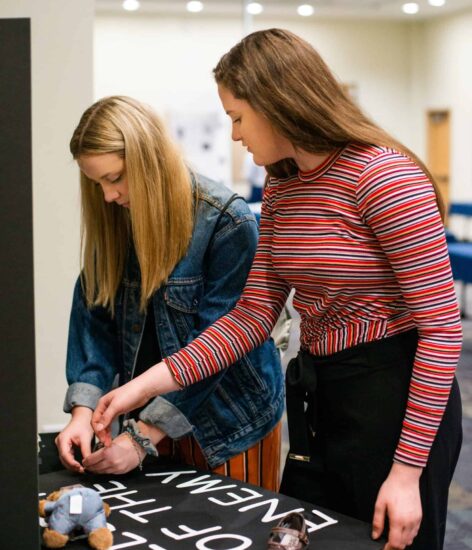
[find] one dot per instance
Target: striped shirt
(361, 241)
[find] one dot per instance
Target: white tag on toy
(75, 506)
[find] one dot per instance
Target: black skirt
(352, 426)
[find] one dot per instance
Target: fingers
(395, 539)
(119, 458)
(399, 541)
(378, 521)
(85, 447)
(65, 449)
(103, 434)
(94, 461)
(402, 533)
(399, 499)
(402, 530)
(103, 417)
(71, 464)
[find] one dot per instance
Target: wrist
(132, 428)
(152, 432)
(80, 412)
(140, 451)
(407, 472)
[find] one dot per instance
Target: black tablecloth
(172, 507)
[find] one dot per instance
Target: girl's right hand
(77, 434)
(157, 380)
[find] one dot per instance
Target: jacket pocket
(182, 298)
(184, 294)
(243, 391)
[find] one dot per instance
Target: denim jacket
(227, 412)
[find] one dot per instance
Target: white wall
(401, 69)
(61, 49)
(168, 62)
(442, 79)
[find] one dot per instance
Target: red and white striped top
(361, 241)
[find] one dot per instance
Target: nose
(235, 134)
(110, 194)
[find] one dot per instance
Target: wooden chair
(259, 465)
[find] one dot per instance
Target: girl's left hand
(119, 458)
(399, 500)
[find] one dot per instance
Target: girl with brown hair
(350, 220)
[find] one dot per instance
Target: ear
(54, 495)
(42, 504)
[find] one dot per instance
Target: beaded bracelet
(136, 448)
(131, 428)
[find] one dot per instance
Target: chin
(261, 161)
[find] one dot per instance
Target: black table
(172, 507)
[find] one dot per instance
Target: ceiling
(372, 9)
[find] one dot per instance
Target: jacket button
(136, 327)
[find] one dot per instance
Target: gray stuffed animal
(71, 509)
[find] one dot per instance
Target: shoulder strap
(233, 197)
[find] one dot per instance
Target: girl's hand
(77, 434)
(122, 456)
(121, 400)
(136, 393)
(399, 500)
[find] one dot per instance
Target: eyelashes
(116, 180)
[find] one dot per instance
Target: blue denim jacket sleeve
(228, 260)
(90, 368)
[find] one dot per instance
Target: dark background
(18, 468)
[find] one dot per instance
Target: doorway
(438, 145)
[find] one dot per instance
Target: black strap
(233, 197)
(300, 383)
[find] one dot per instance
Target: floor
(459, 525)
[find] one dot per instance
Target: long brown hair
(283, 77)
(160, 217)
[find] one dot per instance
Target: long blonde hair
(283, 77)
(159, 222)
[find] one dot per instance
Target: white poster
(204, 137)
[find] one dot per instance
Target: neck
(307, 162)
